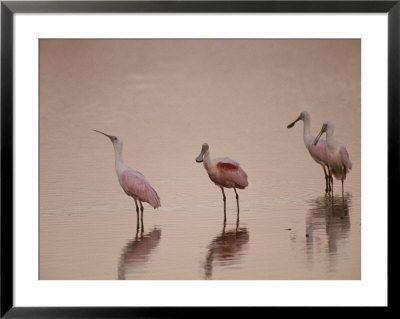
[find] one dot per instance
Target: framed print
(163, 155)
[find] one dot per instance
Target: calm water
(165, 98)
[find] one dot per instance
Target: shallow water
(165, 98)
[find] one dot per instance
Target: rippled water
(165, 98)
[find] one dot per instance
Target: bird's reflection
(329, 214)
(226, 248)
(137, 251)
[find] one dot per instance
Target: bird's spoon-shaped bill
(293, 123)
(199, 158)
(204, 149)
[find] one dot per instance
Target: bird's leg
(141, 207)
(330, 180)
(327, 181)
(137, 214)
(237, 199)
(224, 199)
(141, 216)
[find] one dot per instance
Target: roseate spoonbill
(318, 151)
(224, 172)
(339, 162)
(133, 182)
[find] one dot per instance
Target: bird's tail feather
(155, 200)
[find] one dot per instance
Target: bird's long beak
(109, 136)
(199, 158)
(292, 124)
(323, 129)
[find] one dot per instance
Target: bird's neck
(308, 139)
(207, 160)
(330, 141)
(119, 163)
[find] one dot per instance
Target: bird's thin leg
(330, 180)
(237, 199)
(141, 216)
(137, 214)
(327, 181)
(224, 199)
(137, 234)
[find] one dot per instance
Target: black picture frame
(9, 8)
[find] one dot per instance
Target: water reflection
(137, 251)
(226, 249)
(332, 215)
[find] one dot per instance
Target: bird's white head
(116, 140)
(328, 128)
(303, 117)
(204, 150)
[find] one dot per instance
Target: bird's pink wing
(344, 155)
(226, 166)
(137, 185)
(226, 160)
(318, 152)
(231, 171)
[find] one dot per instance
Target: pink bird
(318, 151)
(133, 182)
(224, 172)
(339, 162)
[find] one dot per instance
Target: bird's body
(224, 172)
(338, 158)
(318, 151)
(133, 182)
(136, 185)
